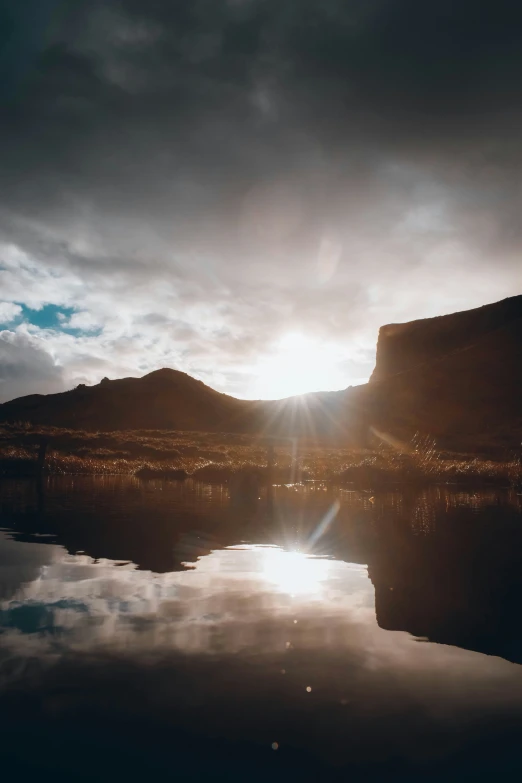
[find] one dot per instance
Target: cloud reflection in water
(223, 632)
(225, 601)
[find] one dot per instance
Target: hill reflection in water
(445, 564)
(175, 610)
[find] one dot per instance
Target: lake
(176, 630)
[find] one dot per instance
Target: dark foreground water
(168, 631)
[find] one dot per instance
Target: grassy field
(216, 457)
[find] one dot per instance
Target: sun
(300, 364)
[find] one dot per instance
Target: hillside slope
(164, 399)
(171, 400)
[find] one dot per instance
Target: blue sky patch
(48, 317)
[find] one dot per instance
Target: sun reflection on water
(295, 573)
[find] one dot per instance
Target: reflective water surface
(172, 629)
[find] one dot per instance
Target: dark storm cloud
(196, 101)
(24, 361)
(160, 156)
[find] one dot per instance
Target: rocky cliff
(406, 346)
(457, 377)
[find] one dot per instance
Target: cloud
(197, 180)
(20, 565)
(9, 312)
(26, 366)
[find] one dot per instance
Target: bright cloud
(9, 312)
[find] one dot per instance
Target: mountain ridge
(457, 377)
(173, 400)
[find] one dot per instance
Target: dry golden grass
(211, 456)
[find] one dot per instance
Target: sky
(246, 190)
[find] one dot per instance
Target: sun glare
(298, 365)
(294, 572)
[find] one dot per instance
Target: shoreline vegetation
(217, 457)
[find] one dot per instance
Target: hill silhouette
(172, 400)
(163, 399)
(402, 347)
(456, 377)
